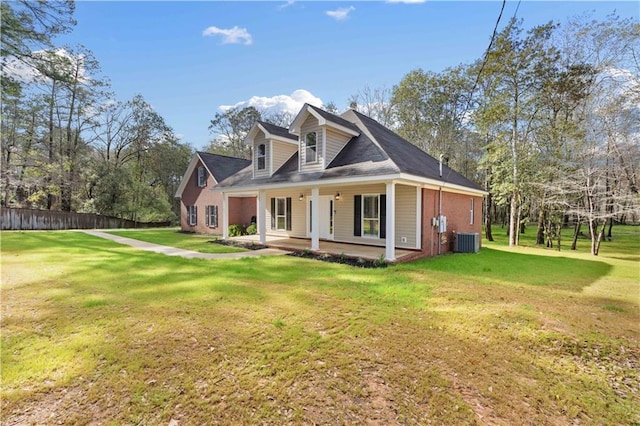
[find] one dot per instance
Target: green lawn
(93, 331)
(173, 238)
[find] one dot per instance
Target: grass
(187, 241)
(103, 333)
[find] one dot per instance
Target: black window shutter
(383, 216)
(288, 217)
(357, 216)
(273, 213)
(206, 215)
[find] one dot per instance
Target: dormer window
(311, 147)
(202, 177)
(261, 156)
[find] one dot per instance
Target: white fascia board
(300, 118)
(189, 172)
(446, 186)
(268, 135)
(341, 128)
(399, 178)
(320, 183)
(248, 140)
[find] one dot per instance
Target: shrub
(237, 230)
(252, 229)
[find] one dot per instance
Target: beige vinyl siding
(335, 142)
(298, 214)
(343, 219)
(311, 125)
(260, 138)
(406, 216)
(281, 152)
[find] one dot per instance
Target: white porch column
(390, 244)
(315, 218)
(261, 213)
(225, 215)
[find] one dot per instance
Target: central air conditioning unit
(467, 243)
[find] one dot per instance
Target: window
(311, 148)
(202, 177)
(471, 210)
(370, 216)
(211, 215)
(281, 214)
(261, 156)
(192, 215)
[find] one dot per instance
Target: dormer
(271, 147)
(321, 136)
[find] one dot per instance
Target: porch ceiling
(328, 247)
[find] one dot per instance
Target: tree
(431, 110)
(514, 69)
(230, 128)
(376, 103)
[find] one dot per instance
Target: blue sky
(265, 49)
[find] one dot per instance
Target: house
(348, 179)
(201, 209)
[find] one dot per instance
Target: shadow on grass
(496, 265)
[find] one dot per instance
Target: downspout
(440, 208)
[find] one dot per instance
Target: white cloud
(341, 13)
(286, 4)
(27, 73)
(235, 35)
(406, 1)
(290, 104)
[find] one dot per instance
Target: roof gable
(408, 157)
(219, 167)
(271, 131)
(324, 119)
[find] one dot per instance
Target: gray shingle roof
(278, 131)
(222, 166)
(376, 151)
(335, 118)
(408, 157)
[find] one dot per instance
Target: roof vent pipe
(441, 157)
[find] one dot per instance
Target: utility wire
(484, 62)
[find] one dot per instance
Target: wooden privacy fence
(28, 219)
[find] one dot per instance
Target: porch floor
(327, 247)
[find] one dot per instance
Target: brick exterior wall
(241, 210)
(457, 209)
(200, 197)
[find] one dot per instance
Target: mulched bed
(345, 260)
(245, 245)
(352, 261)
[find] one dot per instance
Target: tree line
(66, 143)
(547, 121)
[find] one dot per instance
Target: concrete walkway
(173, 251)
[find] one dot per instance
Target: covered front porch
(329, 247)
(371, 220)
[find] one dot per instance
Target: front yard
(93, 331)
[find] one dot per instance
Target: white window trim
(472, 211)
(306, 148)
(192, 215)
(362, 218)
(202, 177)
(211, 213)
(283, 215)
(263, 156)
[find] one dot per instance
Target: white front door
(325, 219)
